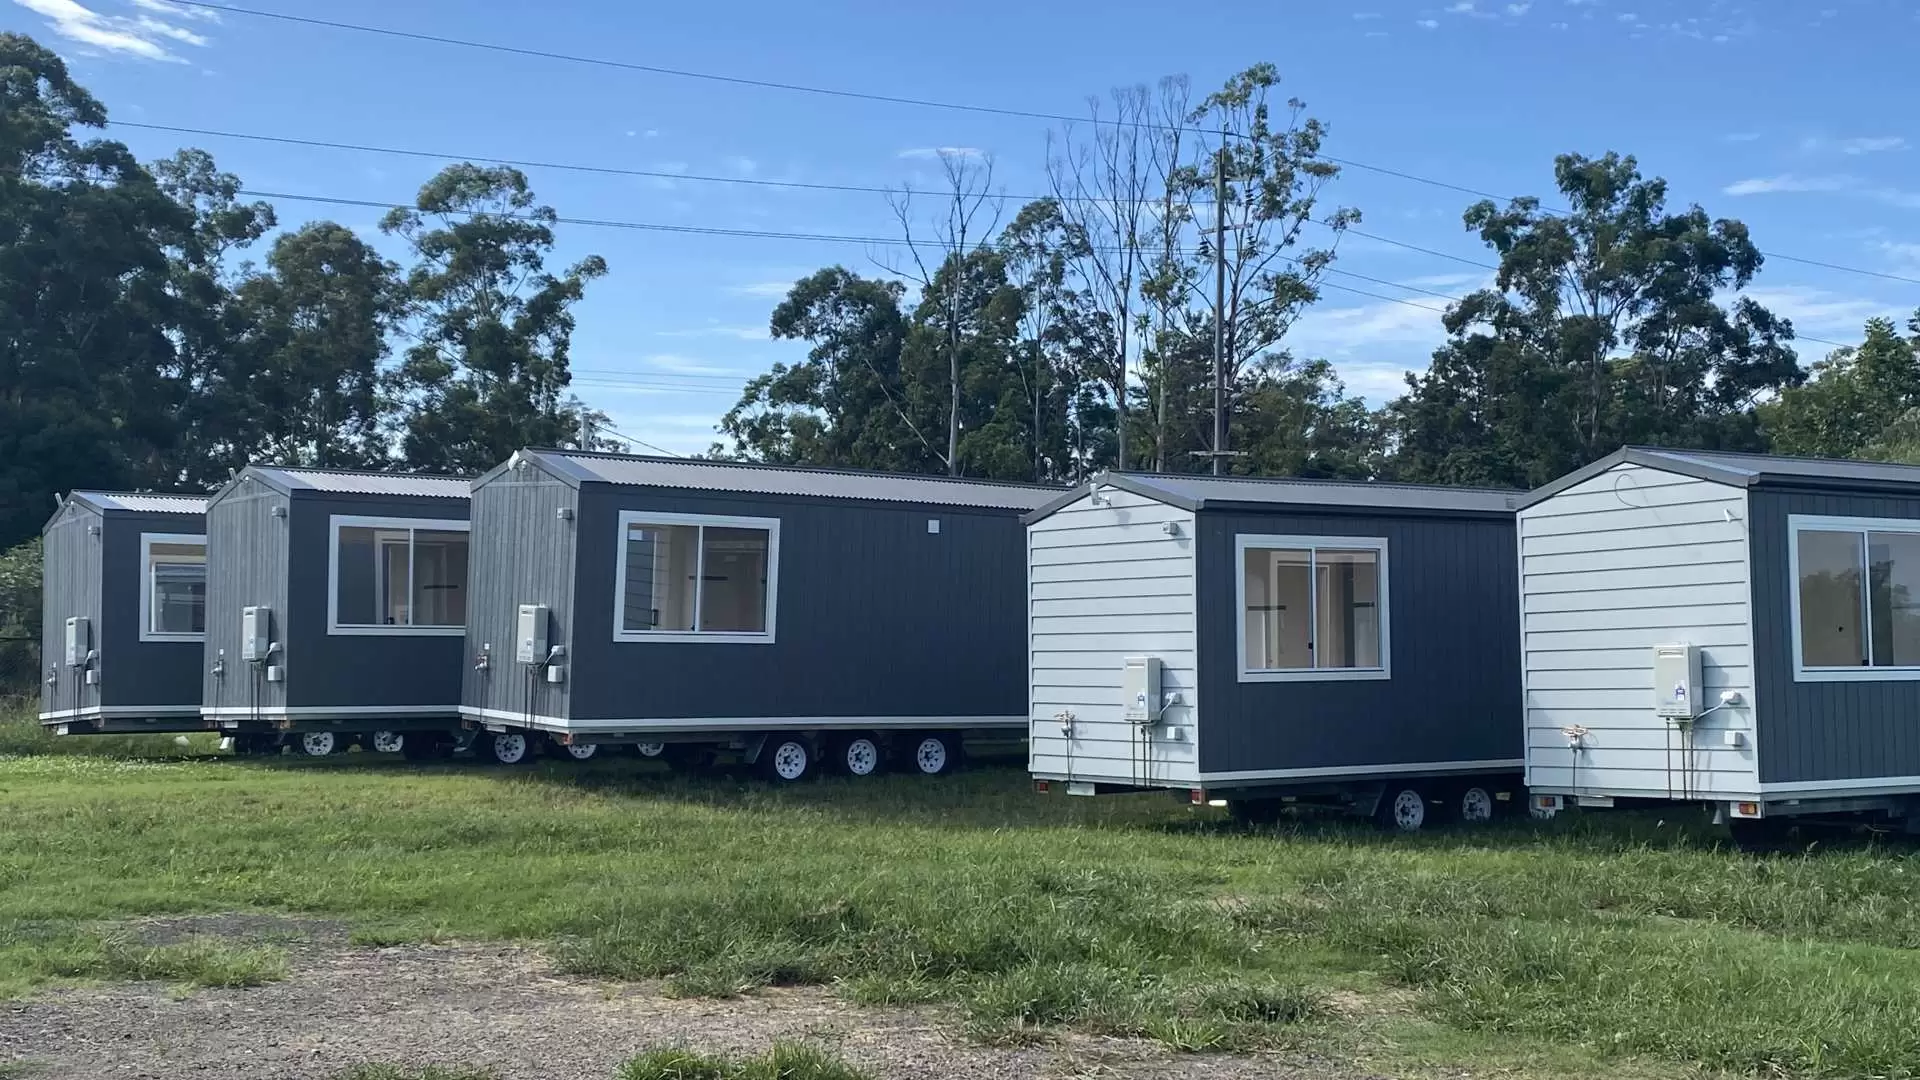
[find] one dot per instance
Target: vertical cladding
(360, 671)
(522, 553)
(1452, 616)
(70, 580)
(1812, 732)
(876, 616)
(135, 672)
(247, 548)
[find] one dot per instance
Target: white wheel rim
(862, 757)
(317, 743)
(650, 749)
(389, 742)
(582, 751)
(1409, 811)
(931, 755)
(789, 761)
(1476, 805)
(509, 749)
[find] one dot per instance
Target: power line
(927, 103)
(618, 434)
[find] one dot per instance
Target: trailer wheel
(936, 754)
(386, 742)
(1473, 805)
(649, 749)
(787, 760)
(320, 744)
(579, 751)
(510, 748)
(858, 755)
(1402, 809)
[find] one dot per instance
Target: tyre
(856, 755)
(936, 753)
(510, 748)
(581, 751)
(1402, 809)
(320, 744)
(1473, 805)
(787, 759)
(386, 742)
(649, 749)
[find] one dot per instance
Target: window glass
(1831, 608)
(662, 561)
(1278, 612)
(1347, 609)
(1893, 561)
(177, 573)
(697, 578)
(733, 580)
(439, 578)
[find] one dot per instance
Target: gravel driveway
(504, 1008)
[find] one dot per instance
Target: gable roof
(288, 481)
(1743, 470)
(141, 502)
(577, 467)
(1191, 492)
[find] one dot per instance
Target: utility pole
(1219, 309)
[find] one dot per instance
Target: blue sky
(1794, 117)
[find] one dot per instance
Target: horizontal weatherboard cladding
(1453, 694)
(877, 616)
(1822, 731)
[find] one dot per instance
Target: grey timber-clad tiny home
(1736, 630)
(1263, 641)
(123, 612)
(336, 606)
(796, 617)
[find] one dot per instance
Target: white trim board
(629, 518)
(243, 712)
(1361, 771)
(147, 541)
(740, 723)
(122, 712)
(336, 522)
(1244, 542)
(1885, 785)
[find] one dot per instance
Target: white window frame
(147, 541)
(1266, 542)
(715, 637)
(337, 522)
(1799, 523)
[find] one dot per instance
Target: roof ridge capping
(824, 470)
(1741, 469)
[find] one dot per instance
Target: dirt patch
(506, 1009)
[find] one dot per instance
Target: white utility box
(256, 633)
(1140, 689)
(1676, 681)
(530, 639)
(77, 641)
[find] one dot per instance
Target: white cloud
(743, 333)
(1517, 10)
(743, 165)
(1873, 144)
(177, 11)
(1819, 312)
(675, 364)
(929, 153)
(1904, 254)
(1362, 16)
(631, 134)
(1627, 17)
(1559, 26)
(1464, 7)
(143, 36)
(771, 290)
(1427, 24)
(1581, 3)
(651, 133)
(1767, 185)
(1741, 136)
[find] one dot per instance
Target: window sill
(1859, 674)
(717, 637)
(1321, 675)
(397, 631)
(155, 635)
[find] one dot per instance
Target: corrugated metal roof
(143, 503)
(1200, 491)
(1741, 470)
(693, 475)
(363, 483)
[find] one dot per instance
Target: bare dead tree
(953, 231)
(1166, 287)
(1103, 181)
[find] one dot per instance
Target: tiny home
(1728, 629)
(1272, 641)
(795, 617)
(123, 613)
(336, 607)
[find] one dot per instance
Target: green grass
(1598, 945)
(786, 1061)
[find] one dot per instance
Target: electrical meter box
(77, 640)
(256, 632)
(1676, 681)
(530, 639)
(1140, 689)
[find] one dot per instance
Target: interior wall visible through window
(1858, 597)
(1311, 608)
(399, 575)
(693, 577)
(176, 577)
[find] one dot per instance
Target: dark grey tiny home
(678, 604)
(1254, 640)
(123, 613)
(336, 606)
(1736, 630)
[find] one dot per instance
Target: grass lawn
(1609, 945)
